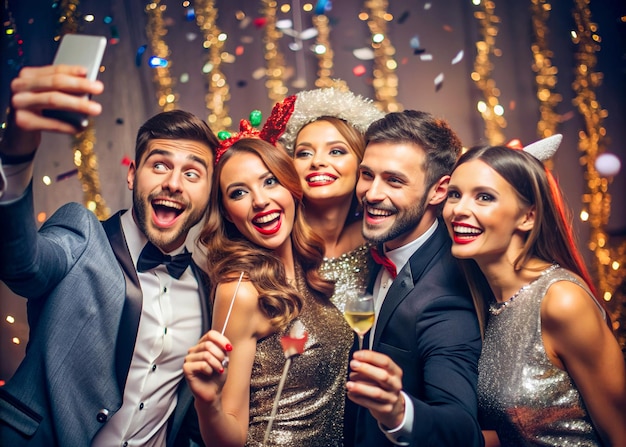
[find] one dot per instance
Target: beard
(405, 222)
(162, 237)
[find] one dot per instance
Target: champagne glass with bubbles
(359, 313)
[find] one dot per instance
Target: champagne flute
(359, 313)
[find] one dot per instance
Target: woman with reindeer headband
(324, 135)
(264, 260)
(551, 373)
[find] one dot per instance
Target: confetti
(239, 50)
(191, 37)
(190, 14)
(458, 58)
(295, 46)
(415, 44)
(403, 17)
(259, 22)
(438, 82)
(364, 54)
(258, 73)
(66, 175)
(309, 33)
(126, 160)
(359, 70)
(284, 24)
(245, 22)
(322, 6)
(426, 57)
(115, 36)
(139, 55)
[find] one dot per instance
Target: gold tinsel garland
(545, 77)
(324, 58)
(83, 145)
(609, 270)
(494, 122)
(218, 91)
(275, 68)
(156, 32)
(385, 78)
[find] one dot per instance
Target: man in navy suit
(111, 318)
(417, 384)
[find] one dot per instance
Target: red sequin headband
(271, 131)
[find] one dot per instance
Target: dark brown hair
(174, 125)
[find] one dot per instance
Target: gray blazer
(84, 305)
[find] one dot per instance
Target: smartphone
(78, 49)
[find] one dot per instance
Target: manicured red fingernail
(228, 347)
(221, 370)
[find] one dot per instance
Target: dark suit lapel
(129, 324)
(408, 277)
(204, 289)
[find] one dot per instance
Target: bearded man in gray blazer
(111, 318)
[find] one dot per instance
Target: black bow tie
(152, 257)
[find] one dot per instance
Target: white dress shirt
(170, 324)
(399, 256)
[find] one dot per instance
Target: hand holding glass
(359, 313)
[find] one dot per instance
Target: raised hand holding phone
(86, 51)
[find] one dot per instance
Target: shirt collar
(401, 255)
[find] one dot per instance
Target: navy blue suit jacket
(84, 305)
(428, 326)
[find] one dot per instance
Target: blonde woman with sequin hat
(324, 135)
(551, 373)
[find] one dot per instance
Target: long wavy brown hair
(229, 253)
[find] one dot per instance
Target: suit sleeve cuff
(401, 435)
(14, 180)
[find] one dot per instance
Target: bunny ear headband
(545, 148)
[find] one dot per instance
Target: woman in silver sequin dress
(551, 373)
(255, 227)
(325, 137)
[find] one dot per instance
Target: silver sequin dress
(521, 394)
(350, 272)
(311, 407)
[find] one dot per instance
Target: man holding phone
(110, 316)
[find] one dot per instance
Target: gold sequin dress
(350, 272)
(311, 407)
(521, 394)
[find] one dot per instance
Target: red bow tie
(384, 261)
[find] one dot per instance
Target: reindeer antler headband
(271, 131)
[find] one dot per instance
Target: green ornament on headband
(255, 117)
(223, 135)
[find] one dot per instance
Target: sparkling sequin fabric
(311, 407)
(350, 272)
(521, 394)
